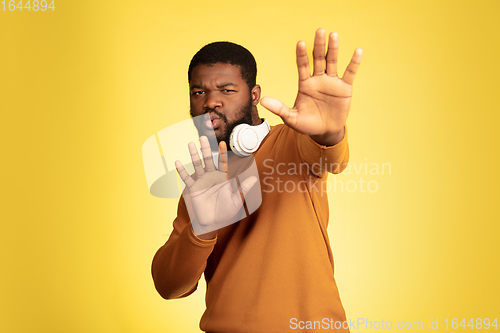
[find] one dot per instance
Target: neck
(256, 120)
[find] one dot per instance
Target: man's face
(220, 91)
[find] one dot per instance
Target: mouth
(213, 122)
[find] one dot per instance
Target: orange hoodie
(272, 271)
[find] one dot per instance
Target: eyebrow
(220, 86)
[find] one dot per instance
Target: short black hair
(227, 53)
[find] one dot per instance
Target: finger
(302, 61)
(184, 175)
(207, 154)
(247, 184)
(278, 108)
(353, 66)
(332, 54)
(223, 158)
(319, 52)
(195, 157)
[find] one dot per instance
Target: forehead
(216, 74)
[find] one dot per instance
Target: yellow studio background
(82, 88)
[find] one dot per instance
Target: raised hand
(212, 200)
(323, 100)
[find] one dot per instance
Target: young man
(273, 270)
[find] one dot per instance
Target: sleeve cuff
(198, 241)
(324, 158)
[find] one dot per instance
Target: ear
(255, 95)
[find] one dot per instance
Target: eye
(197, 93)
(228, 91)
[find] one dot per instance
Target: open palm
(211, 197)
(323, 99)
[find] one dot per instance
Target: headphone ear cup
(236, 141)
(245, 139)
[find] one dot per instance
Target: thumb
(276, 107)
(247, 184)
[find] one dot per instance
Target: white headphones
(245, 139)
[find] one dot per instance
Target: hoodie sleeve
(178, 265)
(324, 159)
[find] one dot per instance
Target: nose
(212, 100)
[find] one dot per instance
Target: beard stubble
(245, 118)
